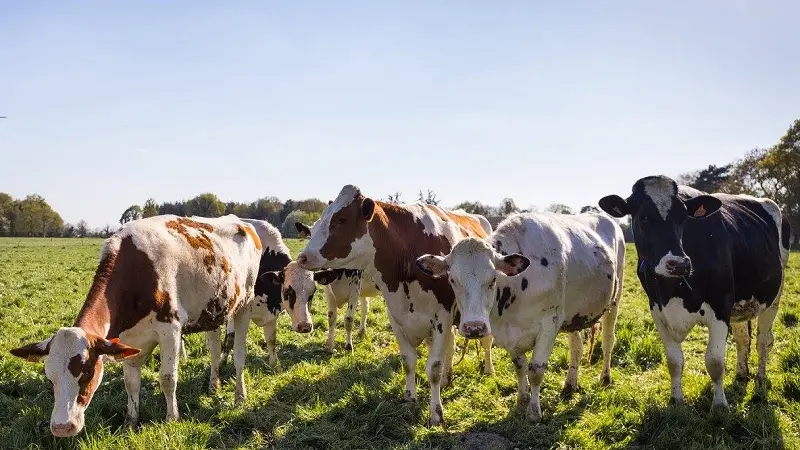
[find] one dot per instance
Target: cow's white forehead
(661, 191)
(67, 342)
(471, 257)
(345, 197)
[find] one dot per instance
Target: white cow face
(473, 267)
(74, 365)
(297, 291)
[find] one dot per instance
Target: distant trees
(429, 197)
(150, 208)
(82, 229)
(474, 208)
(205, 205)
(559, 208)
(288, 228)
(590, 208)
(711, 179)
(394, 198)
(132, 213)
(31, 216)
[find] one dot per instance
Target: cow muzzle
(304, 327)
(474, 329)
(309, 261)
(674, 266)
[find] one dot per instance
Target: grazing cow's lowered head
(339, 239)
(74, 364)
(473, 266)
(657, 219)
(297, 291)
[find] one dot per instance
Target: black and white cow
(343, 287)
(546, 273)
(715, 259)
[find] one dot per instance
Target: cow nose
(304, 327)
(680, 266)
(474, 329)
(63, 429)
(302, 259)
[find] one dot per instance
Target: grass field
(350, 401)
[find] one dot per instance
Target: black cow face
(657, 219)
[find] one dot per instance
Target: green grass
(355, 400)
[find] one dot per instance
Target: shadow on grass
(697, 425)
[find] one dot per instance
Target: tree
(134, 212)
(68, 231)
(711, 179)
(176, 208)
(507, 207)
(474, 208)
(429, 198)
(6, 213)
(33, 216)
(267, 208)
(150, 208)
(590, 208)
(287, 208)
(311, 205)
(559, 208)
(394, 198)
(288, 228)
(205, 205)
(82, 228)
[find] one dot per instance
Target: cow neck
(96, 316)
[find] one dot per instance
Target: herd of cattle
(716, 260)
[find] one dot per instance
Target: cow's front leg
(715, 359)
(364, 310)
(741, 335)
(352, 302)
(170, 343)
(215, 351)
(133, 384)
(488, 364)
(408, 355)
(270, 341)
(538, 366)
(332, 317)
(433, 369)
(449, 351)
(521, 367)
(241, 322)
(575, 350)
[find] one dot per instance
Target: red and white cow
(546, 273)
(157, 278)
(384, 240)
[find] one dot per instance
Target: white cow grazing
(553, 273)
(157, 278)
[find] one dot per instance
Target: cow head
(303, 230)
(657, 219)
(339, 239)
(473, 267)
(74, 364)
(297, 291)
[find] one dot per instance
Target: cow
(383, 240)
(343, 286)
(281, 286)
(716, 259)
(535, 275)
(157, 278)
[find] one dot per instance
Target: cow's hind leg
(765, 339)
(449, 351)
(538, 366)
(609, 324)
(270, 340)
(364, 310)
(575, 351)
(408, 355)
(741, 335)
(241, 322)
(352, 302)
(168, 373)
(133, 384)
(332, 317)
(214, 350)
(433, 368)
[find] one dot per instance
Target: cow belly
(416, 314)
(516, 329)
(676, 320)
(586, 302)
(260, 313)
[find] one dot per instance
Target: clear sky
(110, 103)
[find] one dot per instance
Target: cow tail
(592, 334)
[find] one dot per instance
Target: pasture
(355, 400)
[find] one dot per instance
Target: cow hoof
(360, 333)
(239, 399)
(348, 347)
(675, 401)
(213, 386)
(409, 397)
(605, 380)
(568, 391)
(131, 422)
(534, 415)
(437, 417)
(488, 370)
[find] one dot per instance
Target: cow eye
(341, 220)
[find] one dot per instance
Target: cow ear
(367, 208)
(329, 202)
(33, 352)
(702, 206)
(303, 229)
(325, 277)
(513, 264)
(432, 265)
(614, 205)
(113, 347)
(274, 277)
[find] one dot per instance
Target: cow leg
(332, 316)
(609, 325)
(538, 366)
(715, 359)
(168, 373)
(227, 343)
(348, 322)
(521, 366)
(270, 339)
(488, 364)
(364, 309)
(133, 384)
(241, 322)
(575, 351)
(741, 334)
(449, 350)
(214, 350)
(672, 348)
(765, 339)
(433, 369)
(408, 354)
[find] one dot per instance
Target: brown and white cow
(157, 278)
(384, 240)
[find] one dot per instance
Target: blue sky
(110, 103)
